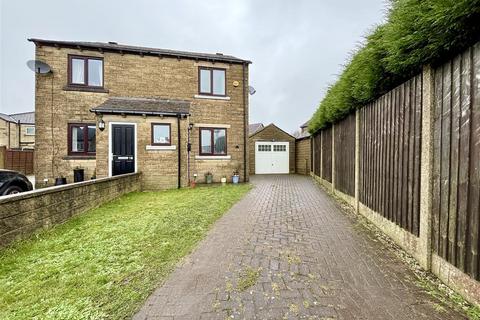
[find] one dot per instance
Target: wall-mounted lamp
(101, 125)
(190, 126)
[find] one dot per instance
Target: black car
(12, 182)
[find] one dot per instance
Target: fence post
(333, 157)
(426, 170)
(357, 160)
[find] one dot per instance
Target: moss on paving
(103, 264)
(248, 278)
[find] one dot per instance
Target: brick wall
(302, 156)
(131, 75)
(270, 133)
(24, 213)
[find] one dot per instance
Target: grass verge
(103, 264)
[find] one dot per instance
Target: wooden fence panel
(19, 160)
(390, 155)
(456, 187)
(327, 139)
(317, 151)
(344, 135)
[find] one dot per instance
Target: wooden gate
(19, 160)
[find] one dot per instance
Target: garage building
(272, 150)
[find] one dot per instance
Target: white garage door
(271, 157)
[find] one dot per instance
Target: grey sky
(297, 47)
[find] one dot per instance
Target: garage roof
(270, 125)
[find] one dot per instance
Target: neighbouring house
(304, 130)
(272, 151)
(303, 148)
(17, 131)
(111, 109)
(254, 127)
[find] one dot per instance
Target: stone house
(17, 131)
(111, 109)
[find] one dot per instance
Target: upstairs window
(81, 139)
(212, 81)
(213, 142)
(85, 71)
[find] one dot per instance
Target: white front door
(271, 157)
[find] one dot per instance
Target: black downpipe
(179, 152)
(244, 128)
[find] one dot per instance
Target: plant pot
(208, 178)
(60, 181)
(235, 179)
(223, 180)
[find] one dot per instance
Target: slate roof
(305, 124)
(148, 106)
(270, 125)
(6, 117)
(115, 47)
(254, 127)
(24, 117)
(303, 135)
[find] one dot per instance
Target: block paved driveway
(303, 256)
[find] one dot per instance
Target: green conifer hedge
(417, 32)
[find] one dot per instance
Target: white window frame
(30, 134)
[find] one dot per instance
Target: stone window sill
(79, 158)
(213, 157)
(201, 96)
(85, 89)
(161, 148)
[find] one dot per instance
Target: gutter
(244, 127)
(179, 153)
(142, 51)
(140, 113)
(19, 134)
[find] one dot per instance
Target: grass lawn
(104, 264)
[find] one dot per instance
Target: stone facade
(8, 134)
(24, 213)
(27, 140)
(13, 134)
(302, 156)
(271, 133)
(139, 76)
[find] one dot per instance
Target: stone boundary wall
(420, 240)
(23, 214)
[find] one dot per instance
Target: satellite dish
(38, 66)
(251, 90)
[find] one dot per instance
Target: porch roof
(143, 106)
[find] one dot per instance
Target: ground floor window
(81, 139)
(161, 134)
(29, 131)
(213, 141)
